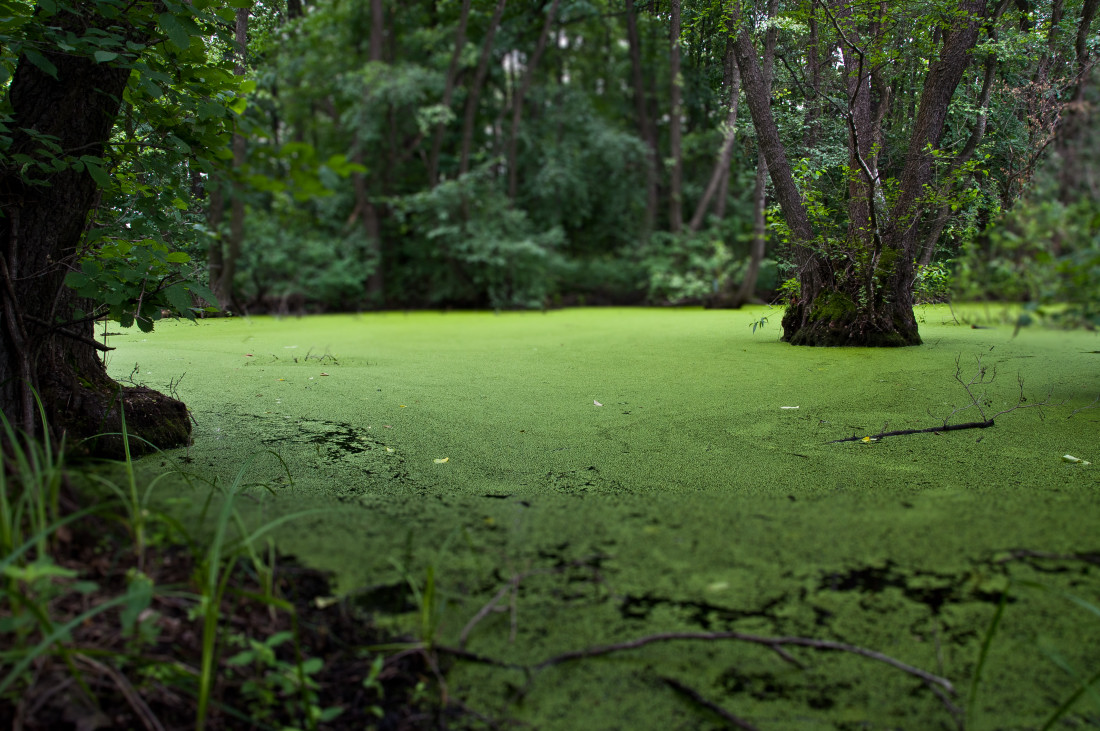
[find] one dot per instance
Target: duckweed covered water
(657, 470)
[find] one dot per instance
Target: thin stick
(709, 705)
(755, 639)
(931, 429)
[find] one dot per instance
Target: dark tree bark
(759, 199)
(676, 194)
(44, 347)
(854, 294)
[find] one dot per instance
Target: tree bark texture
(44, 348)
(860, 292)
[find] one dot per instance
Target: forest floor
(579, 478)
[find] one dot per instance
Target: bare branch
(771, 642)
(709, 705)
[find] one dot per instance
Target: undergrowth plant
(1085, 681)
(35, 586)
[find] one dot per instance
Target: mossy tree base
(89, 411)
(834, 321)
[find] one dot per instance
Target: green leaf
(99, 175)
(179, 298)
(177, 257)
(105, 56)
(203, 292)
(41, 62)
(76, 280)
(177, 34)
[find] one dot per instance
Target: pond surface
(668, 470)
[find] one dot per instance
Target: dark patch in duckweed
(928, 588)
(579, 482)
(337, 446)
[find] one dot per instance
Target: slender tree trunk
(368, 211)
(645, 124)
(469, 119)
(225, 290)
(813, 73)
(45, 346)
(759, 198)
(448, 93)
(928, 249)
(676, 195)
(518, 99)
(722, 160)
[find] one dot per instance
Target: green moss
(833, 306)
(689, 500)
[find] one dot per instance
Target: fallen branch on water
(983, 377)
(929, 430)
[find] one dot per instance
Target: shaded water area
(611, 474)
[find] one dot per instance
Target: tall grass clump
(66, 637)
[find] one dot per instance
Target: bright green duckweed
(652, 446)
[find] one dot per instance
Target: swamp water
(662, 470)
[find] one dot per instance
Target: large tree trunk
(44, 347)
(759, 199)
(862, 293)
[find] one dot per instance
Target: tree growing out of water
(891, 74)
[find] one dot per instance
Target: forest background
(535, 154)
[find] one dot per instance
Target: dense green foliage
(437, 230)
(453, 163)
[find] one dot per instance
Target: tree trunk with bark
(45, 347)
(860, 292)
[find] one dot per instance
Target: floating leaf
(324, 374)
(788, 407)
(1074, 460)
(442, 461)
(596, 402)
(868, 440)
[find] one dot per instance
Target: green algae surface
(662, 470)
